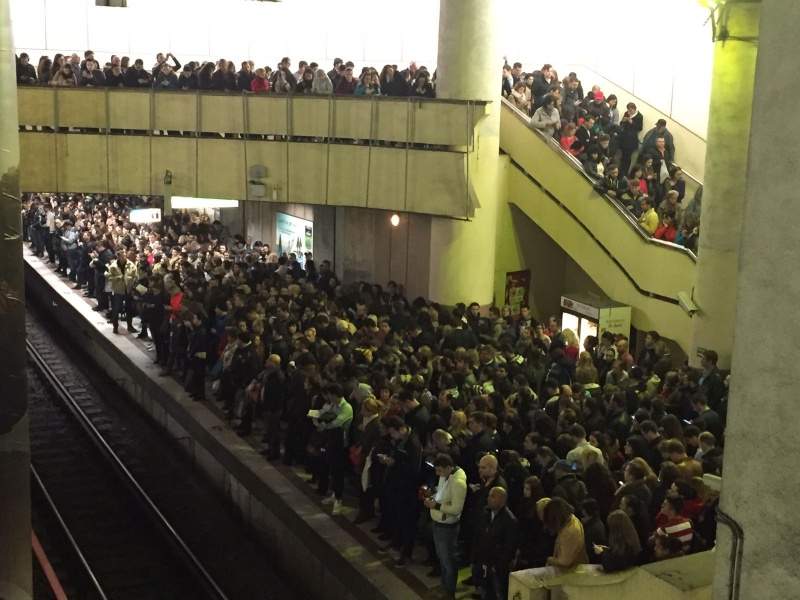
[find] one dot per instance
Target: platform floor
(403, 583)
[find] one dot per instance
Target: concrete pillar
(468, 68)
(761, 481)
(15, 503)
(725, 171)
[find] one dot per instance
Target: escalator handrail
(578, 167)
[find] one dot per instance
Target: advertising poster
(616, 319)
(293, 234)
(145, 215)
(518, 284)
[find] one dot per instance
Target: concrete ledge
(321, 558)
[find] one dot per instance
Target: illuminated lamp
(189, 202)
(394, 220)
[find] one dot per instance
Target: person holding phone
(445, 506)
(624, 549)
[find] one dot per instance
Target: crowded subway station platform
(312, 300)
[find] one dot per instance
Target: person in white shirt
(583, 452)
(445, 506)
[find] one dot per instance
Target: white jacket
(450, 495)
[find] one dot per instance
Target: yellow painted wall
(65, 129)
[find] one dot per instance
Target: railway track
(125, 514)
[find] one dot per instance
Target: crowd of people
(167, 73)
(492, 439)
(641, 174)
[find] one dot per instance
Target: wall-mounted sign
(145, 215)
(293, 234)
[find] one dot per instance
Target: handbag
(356, 455)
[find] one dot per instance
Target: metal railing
(575, 164)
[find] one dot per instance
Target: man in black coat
(273, 400)
(298, 403)
(26, 73)
(712, 383)
(630, 126)
(401, 484)
(496, 544)
(198, 346)
(136, 76)
(461, 336)
(100, 259)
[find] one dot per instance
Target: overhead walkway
(377, 152)
(550, 187)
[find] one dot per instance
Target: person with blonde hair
(458, 427)
(624, 549)
(573, 345)
(585, 371)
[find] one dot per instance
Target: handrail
(575, 165)
(246, 94)
(65, 528)
(640, 102)
(99, 441)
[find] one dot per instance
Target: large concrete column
(723, 193)
(15, 518)
(468, 68)
(761, 480)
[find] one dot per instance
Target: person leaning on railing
(26, 73)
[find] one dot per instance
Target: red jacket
(259, 85)
(666, 233)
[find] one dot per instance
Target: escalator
(630, 267)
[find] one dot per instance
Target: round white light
(394, 220)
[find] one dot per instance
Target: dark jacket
(198, 342)
(394, 87)
(223, 81)
(273, 392)
(165, 82)
(344, 87)
(478, 444)
(496, 541)
(403, 477)
(461, 337)
(418, 419)
(187, 82)
(134, 78)
(713, 387)
(115, 80)
(26, 74)
(93, 79)
(243, 79)
(612, 561)
(628, 138)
